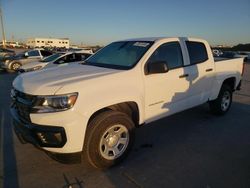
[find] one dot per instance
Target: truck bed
(226, 68)
(217, 59)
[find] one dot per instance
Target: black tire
(216, 106)
(95, 133)
(15, 66)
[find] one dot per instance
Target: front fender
(98, 93)
(95, 103)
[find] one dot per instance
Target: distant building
(48, 42)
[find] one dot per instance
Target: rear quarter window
(197, 52)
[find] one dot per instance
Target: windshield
(51, 58)
(120, 55)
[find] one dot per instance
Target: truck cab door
(166, 93)
(201, 72)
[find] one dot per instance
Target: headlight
(33, 68)
(7, 61)
(54, 103)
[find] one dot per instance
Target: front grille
(23, 111)
(22, 103)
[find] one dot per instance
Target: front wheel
(222, 104)
(15, 66)
(109, 138)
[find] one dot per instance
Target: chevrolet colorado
(91, 109)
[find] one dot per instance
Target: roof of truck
(153, 39)
(149, 38)
(146, 39)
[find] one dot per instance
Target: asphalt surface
(190, 149)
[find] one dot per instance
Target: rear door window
(78, 57)
(197, 52)
(84, 56)
(66, 59)
(33, 53)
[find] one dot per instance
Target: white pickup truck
(90, 109)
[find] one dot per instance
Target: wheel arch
(130, 108)
(230, 82)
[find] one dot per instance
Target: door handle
(208, 70)
(184, 76)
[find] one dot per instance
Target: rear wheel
(222, 104)
(109, 138)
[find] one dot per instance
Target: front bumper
(38, 135)
(42, 136)
(57, 133)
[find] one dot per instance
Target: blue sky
(103, 21)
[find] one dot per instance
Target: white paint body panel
(33, 64)
(156, 95)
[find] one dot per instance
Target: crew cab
(57, 59)
(91, 109)
(15, 62)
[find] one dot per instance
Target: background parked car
(228, 54)
(55, 60)
(4, 53)
(217, 52)
(82, 50)
(15, 62)
(245, 55)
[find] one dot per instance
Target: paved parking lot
(190, 149)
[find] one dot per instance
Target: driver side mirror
(157, 67)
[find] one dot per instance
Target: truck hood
(33, 64)
(48, 81)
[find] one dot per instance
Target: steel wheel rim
(16, 66)
(114, 142)
(225, 102)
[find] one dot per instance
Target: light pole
(3, 34)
